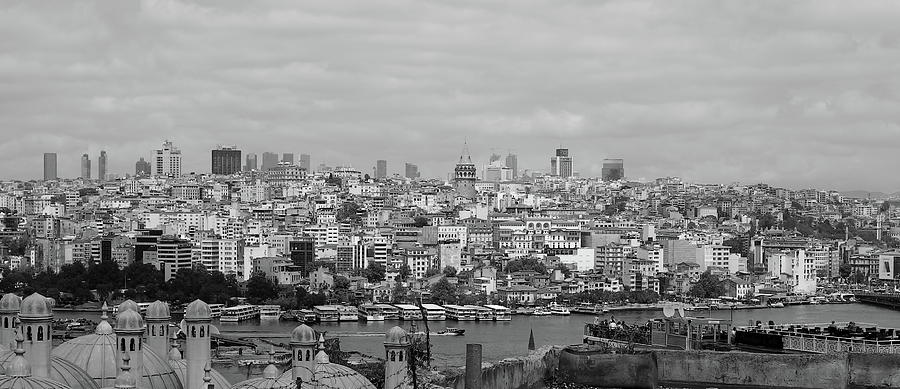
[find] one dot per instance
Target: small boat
(559, 310)
(450, 331)
(541, 312)
(524, 311)
(777, 305)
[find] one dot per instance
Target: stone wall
(515, 373)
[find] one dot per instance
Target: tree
(260, 288)
(374, 272)
(526, 264)
(432, 271)
(348, 212)
(708, 286)
(400, 294)
(420, 221)
(845, 270)
(405, 272)
(449, 271)
(444, 292)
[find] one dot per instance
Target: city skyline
(735, 81)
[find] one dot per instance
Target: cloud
(797, 93)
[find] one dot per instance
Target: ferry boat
(409, 312)
(434, 312)
(540, 311)
(559, 310)
(239, 313)
(499, 312)
(215, 310)
(369, 312)
(270, 312)
(481, 313)
(459, 313)
(347, 313)
(306, 316)
(327, 313)
(587, 308)
(390, 312)
(524, 311)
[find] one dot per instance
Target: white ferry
(306, 316)
(409, 312)
(327, 313)
(499, 312)
(347, 313)
(390, 312)
(559, 310)
(541, 311)
(481, 313)
(270, 312)
(434, 312)
(215, 310)
(370, 312)
(460, 313)
(239, 313)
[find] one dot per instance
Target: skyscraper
(269, 160)
(561, 164)
(412, 171)
(251, 163)
(167, 160)
(465, 175)
(613, 169)
(380, 168)
(101, 166)
(85, 167)
(287, 157)
(142, 168)
(50, 167)
(512, 162)
(304, 162)
(226, 160)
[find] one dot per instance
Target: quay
(887, 300)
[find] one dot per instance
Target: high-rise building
(85, 167)
(411, 171)
(226, 160)
(561, 164)
(167, 161)
(287, 158)
(173, 254)
(303, 253)
(465, 175)
(101, 166)
(304, 162)
(494, 158)
(512, 162)
(251, 163)
(613, 169)
(142, 168)
(50, 167)
(269, 160)
(380, 168)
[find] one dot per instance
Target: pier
(887, 300)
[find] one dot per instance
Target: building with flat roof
(226, 160)
(50, 172)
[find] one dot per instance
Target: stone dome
(396, 336)
(304, 335)
(126, 305)
(331, 375)
(269, 380)
(16, 382)
(60, 370)
(95, 354)
(180, 368)
(197, 310)
(10, 303)
(18, 373)
(36, 306)
(158, 310)
(129, 321)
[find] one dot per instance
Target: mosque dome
(396, 336)
(270, 380)
(18, 373)
(303, 334)
(129, 320)
(331, 375)
(95, 354)
(36, 306)
(197, 310)
(126, 305)
(180, 368)
(10, 303)
(60, 370)
(158, 310)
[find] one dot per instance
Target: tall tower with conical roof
(465, 174)
(129, 331)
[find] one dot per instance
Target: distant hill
(861, 194)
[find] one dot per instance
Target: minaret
(174, 352)
(36, 317)
(158, 318)
(10, 305)
(196, 318)
(303, 347)
(125, 380)
(129, 333)
(207, 378)
(396, 355)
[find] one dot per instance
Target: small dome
(95, 354)
(197, 310)
(129, 321)
(328, 375)
(126, 305)
(303, 335)
(10, 303)
(396, 336)
(103, 328)
(36, 307)
(180, 368)
(18, 373)
(158, 310)
(61, 370)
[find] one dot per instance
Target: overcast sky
(792, 93)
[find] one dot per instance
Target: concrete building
(561, 164)
(288, 158)
(269, 160)
(85, 167)
(142, 168)
(226, 161)
(305, 162)
(101, 166)
(613, 169)
(172, 255)
(411, 171)
(380, 169)
(167, 161)
(512, 162)
(50, 172)
(793, 270)
(251, 164)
